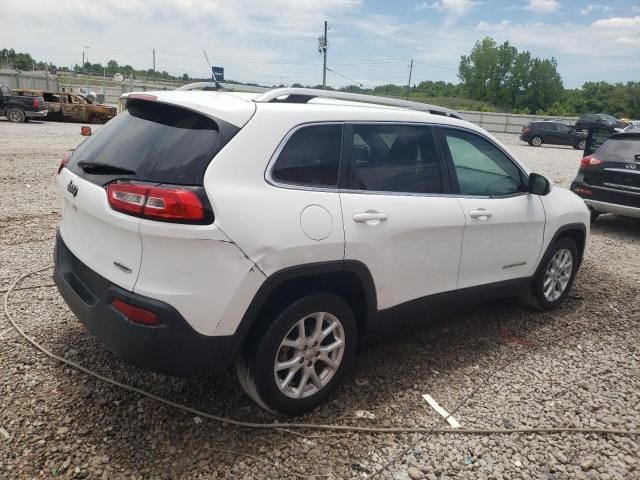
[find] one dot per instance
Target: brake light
(36, 102)
(590, 161)
(155, 202)
(66, 157)
(136, 314)
(526, 129)
(583, 191)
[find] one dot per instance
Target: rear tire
(581, 145)
(555, 277)
(292, 367)
(16, 115)
(535, 141)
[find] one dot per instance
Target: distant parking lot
(578, 366)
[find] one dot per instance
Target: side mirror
(85, 131)
(539, 185)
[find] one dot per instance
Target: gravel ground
(575, 367)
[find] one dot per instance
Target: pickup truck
(19, 109)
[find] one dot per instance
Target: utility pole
(154, 60)
(322, 48)
(409, 84)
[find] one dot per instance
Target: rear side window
(619, 150)
(311, 157)
(154, 142)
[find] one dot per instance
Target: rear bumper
(172, 347)
(604, 207)
(609, 200)
(40, 114)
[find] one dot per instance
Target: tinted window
(160, 143)
(311, 157)
(619, 150)
(481, 168)
(395, 158)
(563, 128)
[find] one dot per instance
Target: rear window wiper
(96, 168)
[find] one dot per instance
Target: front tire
(16, 115)
(302, 356)
(554, 279)
(535, 141)
(581, 145)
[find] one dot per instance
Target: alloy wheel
(309, 355)
(557, 275)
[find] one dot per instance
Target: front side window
(395, 158)
(311, 157)
(481, 168)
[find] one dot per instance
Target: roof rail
(303, 95)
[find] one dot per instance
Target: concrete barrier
(507, 122)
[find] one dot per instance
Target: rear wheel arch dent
(350, 280)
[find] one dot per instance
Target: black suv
(554, 133)
(609, 178)
(585, 122)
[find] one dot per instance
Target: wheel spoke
(332, 326)
(317, 330)
(295, 361)
(315, 378)
(292, 373)
(328, 361)
(331, 347)
(303, 383)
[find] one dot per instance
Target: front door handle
(480, 213)
(373, 217)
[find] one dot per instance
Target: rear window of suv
(153, 142)
(620, 150)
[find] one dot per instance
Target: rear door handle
(480, 213)
(365, 217)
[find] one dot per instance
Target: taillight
(583, 191)
(526, 129)
(136, 314)
(590, 161)
(156, 202)
(36, 102)
(65, 160)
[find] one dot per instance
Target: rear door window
(395, 158)
(153, 142)
(311, 157)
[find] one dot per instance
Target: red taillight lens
(156, 203)
(526, 129)
(65, 160)
(590, 161)
(583, 191)
(136, 314)
(36, 102)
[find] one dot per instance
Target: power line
(344, 76)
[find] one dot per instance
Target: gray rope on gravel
(278, 425)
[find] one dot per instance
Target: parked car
(18, 109)
(585, 122)
(609, 178)
(553, 133)
(71, 107)
(279, 229)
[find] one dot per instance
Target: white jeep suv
(273, 231)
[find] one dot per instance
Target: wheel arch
(349, 279)
(574, 231)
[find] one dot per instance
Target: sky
(371, 42)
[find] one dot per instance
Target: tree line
(492, 77)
